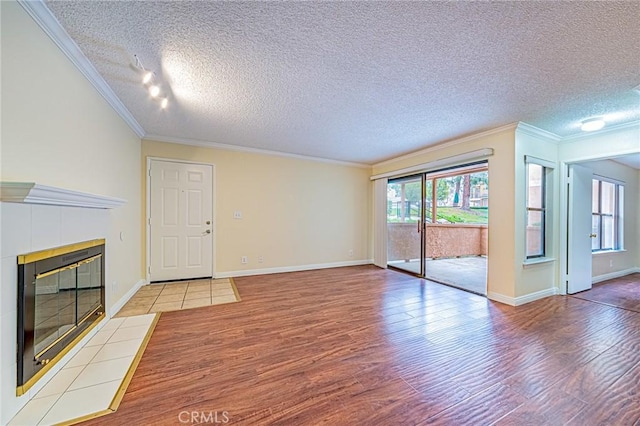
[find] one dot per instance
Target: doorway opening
(602, 199)
(437, 225)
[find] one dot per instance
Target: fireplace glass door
(60, 298)
(65, 298)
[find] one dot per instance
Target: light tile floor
(180, 295)
(88, 383)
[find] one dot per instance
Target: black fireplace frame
(30, 366)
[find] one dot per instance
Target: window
(606, 210)
(536, 210)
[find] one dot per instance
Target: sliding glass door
(405, 216)
(456, 242)
(437, 225)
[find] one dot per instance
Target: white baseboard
(281, 269)
(521, 300)
(115, 308)
(613, 275)
(497, 297)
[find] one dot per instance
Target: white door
(181, 217)
(579, 224)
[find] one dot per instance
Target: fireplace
(61, 296)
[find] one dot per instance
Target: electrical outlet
(260, 259)
(244, 260)
(351, 253)
(237, 214)
(610, 263)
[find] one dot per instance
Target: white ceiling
(362, 81)
(631, 160)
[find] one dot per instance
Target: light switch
(237, 214)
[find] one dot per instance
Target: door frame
(564, 209)
(147, 219)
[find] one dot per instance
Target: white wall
(57, 130)
(534, 278)
(601, 145)
(296, 213)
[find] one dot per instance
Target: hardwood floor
(623, 292)
(365, 346)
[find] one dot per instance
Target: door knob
(208, 231)
(593, 235)
(208, 222)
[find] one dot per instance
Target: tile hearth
(180, 295)
(90, 383)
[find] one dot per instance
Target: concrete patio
(467, 273)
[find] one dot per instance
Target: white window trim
(601, 252)
(620, 217)
(537, 260)
(608, 179)
(550, 167)
(539, 161)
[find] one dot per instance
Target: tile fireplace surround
(38, 218)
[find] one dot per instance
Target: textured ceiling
(362, 81)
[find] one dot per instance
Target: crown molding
(538, 132)
(34, 193)
(227, 147)
(511, 126)
(51, 26)
(603, 131)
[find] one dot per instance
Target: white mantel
(35, 193)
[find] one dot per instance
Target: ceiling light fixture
(592, 124)
(164, 103)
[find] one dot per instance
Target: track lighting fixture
(146, 78)
(154, 91)
(149, 80)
